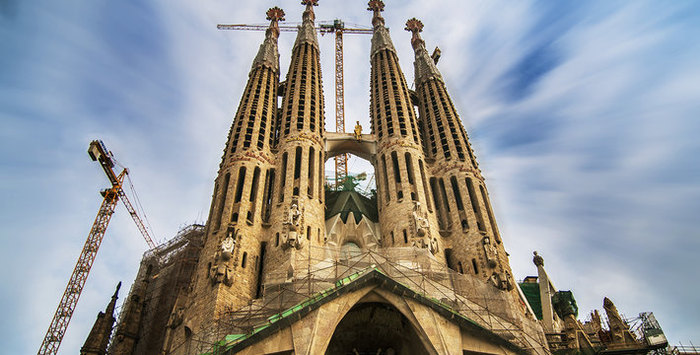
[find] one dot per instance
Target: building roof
(345, 201)
(531, 290)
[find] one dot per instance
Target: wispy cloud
(582, 115)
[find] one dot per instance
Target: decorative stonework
(294, 226)
(424, 64)
(307, 30)
(222, 269)
(268, 54)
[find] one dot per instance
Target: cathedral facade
(286, 266)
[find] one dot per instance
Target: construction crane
(337, 27)
(66, 307)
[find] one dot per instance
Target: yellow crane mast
(66, 307)
(337, 27)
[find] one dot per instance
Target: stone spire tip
(415, 26)
(275, 15)
(377, 6)
(116, 292)
(309, 11)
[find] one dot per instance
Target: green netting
(532, 293)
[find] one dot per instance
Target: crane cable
(139, 207)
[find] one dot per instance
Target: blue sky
(583, 116)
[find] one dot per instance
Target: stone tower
(464, 214)
(296, 219)
(405, 216)
(227, 274)
(287, 267)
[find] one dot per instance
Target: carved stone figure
(537, 260)
(421, 221)
(221, 270)
(294, 224)
(490, 253)
(501, 280)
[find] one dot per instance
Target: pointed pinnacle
(415, 26)
(116, 292)
(377, 6)
(309, 11)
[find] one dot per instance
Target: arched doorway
(375, 328)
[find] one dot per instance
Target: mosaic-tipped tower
(405, 210)
(297, 217)
(461, 199)
(227, 275)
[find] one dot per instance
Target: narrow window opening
(277, 239)
(308, 233)
(455, 191)
(259, 266)
(239, 184)
(405, 237)
(310, 188)
(475, 205)
(409, 168)
(283, 176)
(443, 194)
(297, 163)
(244, 259)
(492, 221)
(395, 165)
(222, 203)
(476, 267)
(386, 179)
(461, 269)
(253, 194)
(425, 185)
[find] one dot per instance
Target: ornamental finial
(377, 6)
(309, 11)
(274, 14)
(415, 26)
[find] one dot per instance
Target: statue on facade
(490, 252)
(537, 260)
(294, 225)
(501, 280)
(421, 221)
(222, 270)
(358, 131)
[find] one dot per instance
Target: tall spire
(424, 64)
(380, 39)
(268, 54)
(98, 339)
(307, 30)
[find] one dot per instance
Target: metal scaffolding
(413, 268)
